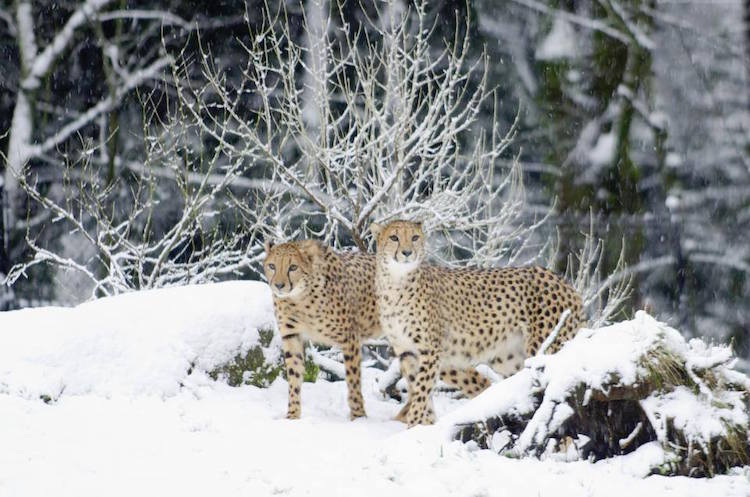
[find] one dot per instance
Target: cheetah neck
(396, 272)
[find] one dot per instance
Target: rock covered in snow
(136, 343)
(613, 389)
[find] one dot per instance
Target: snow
(595, 355)
(136, 343)
(673, 160)
(590, 359)
(697, 417)
(640, 461)
(599, 359)
(603, 152)
(26, 38)
(132, 420)
(560, 43)
(211, 439)
(510, 395)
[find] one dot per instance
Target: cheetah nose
(406, 253)
(279, 285)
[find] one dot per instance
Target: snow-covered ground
(136, 415)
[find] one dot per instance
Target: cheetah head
(400, 244)
(289, 267)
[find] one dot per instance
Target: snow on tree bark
(613, 389)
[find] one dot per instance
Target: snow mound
(613, 389)
(141, 343)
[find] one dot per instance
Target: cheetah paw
(357, 414)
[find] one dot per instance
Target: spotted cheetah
(326, 297)
(449, 320)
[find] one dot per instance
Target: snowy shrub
(614, 389)
(259, 366)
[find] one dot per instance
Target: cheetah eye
(415, 238)
(293, 267)
(394, 238)
(272, 267)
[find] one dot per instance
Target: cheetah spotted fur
(446, 321)
(326, 297)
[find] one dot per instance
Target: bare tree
(129, 245)
(395, 134)
(37, 63)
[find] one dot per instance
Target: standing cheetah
(328, 298)
(449, 320)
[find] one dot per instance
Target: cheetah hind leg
(507, 365)
(468, 381)
(352, 362)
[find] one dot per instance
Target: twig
(552, 336)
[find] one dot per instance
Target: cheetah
(326, 297)
(446, 321)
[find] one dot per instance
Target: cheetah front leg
(352, 362)
(409, 366)
(468, 381)
(292, 347)
(420, 409)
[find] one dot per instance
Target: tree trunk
(22, 123)
(747, 46)
(18, 153)
(314, 84)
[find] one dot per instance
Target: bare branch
(42, 62)
(575, 19)
(132, 81)
(166, 18)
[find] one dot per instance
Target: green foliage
(665, 370)
(252, 368)
(311, 371)
(265, 337)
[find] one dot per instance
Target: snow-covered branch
(582, 21)
(32, 138)
(556, 331)
(603, 297)
(132, 81)
(165, 17)
(43, 61)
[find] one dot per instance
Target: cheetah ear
(267, 246)
(375, 229)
